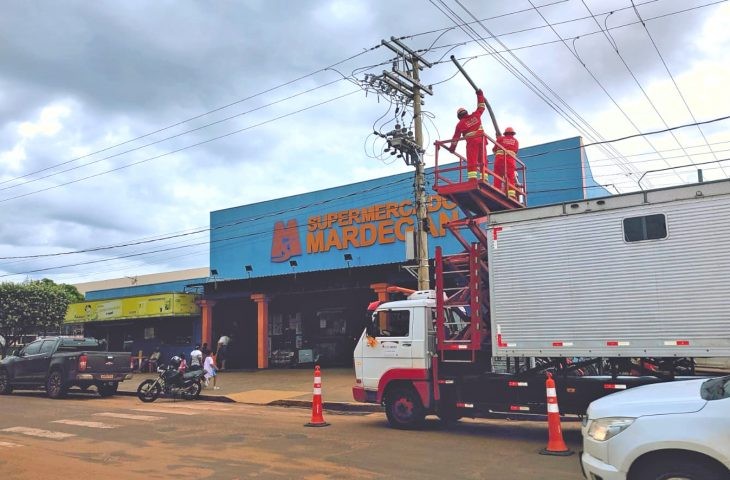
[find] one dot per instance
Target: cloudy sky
(129, 121)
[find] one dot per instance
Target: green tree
(33, 308)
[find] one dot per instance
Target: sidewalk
(286, 387)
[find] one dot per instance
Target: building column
(262, 302)
(382, 290)
(206, 310)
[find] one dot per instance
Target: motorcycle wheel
(148, 391)
(193, 391)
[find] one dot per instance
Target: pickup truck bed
(58, 363)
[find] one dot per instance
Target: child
(210, 371)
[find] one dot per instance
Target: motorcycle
(171, 383)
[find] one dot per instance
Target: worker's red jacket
(509, 142)
(471, 125)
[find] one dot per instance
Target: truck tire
(107, 389)
(55, 387)
(5, 387)
(148, 391)
(404, 409)
(679, 468)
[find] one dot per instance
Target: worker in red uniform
(504, 163)
(470, 126)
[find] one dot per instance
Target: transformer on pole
(409, 144)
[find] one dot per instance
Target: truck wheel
(107, 389)
(148, 391)
(5, 387)
(54, 385)
(679, 469)
(403, 408)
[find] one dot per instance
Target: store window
(647, 227)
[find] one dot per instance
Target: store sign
(378, 224)
(164, 305)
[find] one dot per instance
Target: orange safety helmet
(509, 131)
(461, 113)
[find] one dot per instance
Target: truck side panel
(571, 285)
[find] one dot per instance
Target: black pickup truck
(57, 363)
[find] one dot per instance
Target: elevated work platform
(477, 197)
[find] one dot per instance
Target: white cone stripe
(317, 379)
(9, 445)
(551, 392)
(129, 416)
(83, 423)
(553, 408)
(318, 391)
(37, 432)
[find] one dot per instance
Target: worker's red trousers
(475, 148)
(504, 167)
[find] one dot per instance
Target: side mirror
(16, 353)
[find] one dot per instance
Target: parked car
(57, 363)
(674, 430)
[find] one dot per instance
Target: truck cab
(396, 349)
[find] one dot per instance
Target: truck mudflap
(420, 378)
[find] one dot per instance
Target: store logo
(285, 243)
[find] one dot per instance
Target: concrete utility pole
(407, 84)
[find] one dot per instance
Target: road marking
(129, 416)
(193, 406)
(82, 423)
(165, 410)
(37, 432)
(9, 445)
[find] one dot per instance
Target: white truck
(607, 294)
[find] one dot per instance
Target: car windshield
(716, 388)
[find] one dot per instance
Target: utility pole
(406, 85)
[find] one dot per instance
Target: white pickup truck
(675, 430)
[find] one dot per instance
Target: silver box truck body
(645, 274)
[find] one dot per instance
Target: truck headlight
(602, 429)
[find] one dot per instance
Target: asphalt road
(84, 436)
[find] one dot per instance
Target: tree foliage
(33, 308)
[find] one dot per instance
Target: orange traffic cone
(317, 418)
(556, 445)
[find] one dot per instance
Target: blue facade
(366, 223)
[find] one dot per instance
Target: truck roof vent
(421, 294)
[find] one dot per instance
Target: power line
(674, 82)
(522, 77)
(633, 76)
(197, 144)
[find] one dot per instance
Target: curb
(332, 406)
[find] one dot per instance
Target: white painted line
(82, 423)
(165, 410)
(37, 432)
(202, 406)
(129, 416)
(9, 445)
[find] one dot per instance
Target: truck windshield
(716, 388)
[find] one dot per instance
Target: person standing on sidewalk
(222, 351)
(211, 371)
(196, 359)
